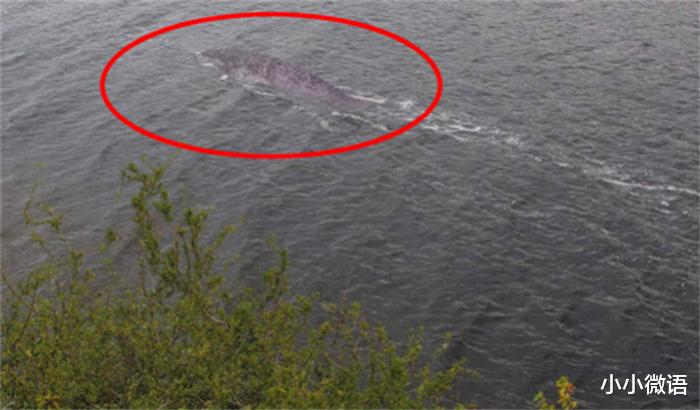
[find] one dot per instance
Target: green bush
(179, 339)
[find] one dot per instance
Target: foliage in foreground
(565, 391)
(178, 339)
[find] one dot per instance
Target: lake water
(546, 213)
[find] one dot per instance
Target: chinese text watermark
(651, 384)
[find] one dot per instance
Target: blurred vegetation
(565, 392)
(177, 338)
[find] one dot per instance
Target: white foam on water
(325, 125)
(457, 128)
(406, 104)
(460, 127)
(373, 99)
(444, 130)
(457, 137)
(646, 187)
(255, 90)
(599, 169)
(514, 141)
(463, 130)
(203, 61)
(350, 115)
(364, 96)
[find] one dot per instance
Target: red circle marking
(283, 155)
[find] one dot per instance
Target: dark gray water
(546, 213)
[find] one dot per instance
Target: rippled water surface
(546, 214)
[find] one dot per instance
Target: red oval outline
(284, 155)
